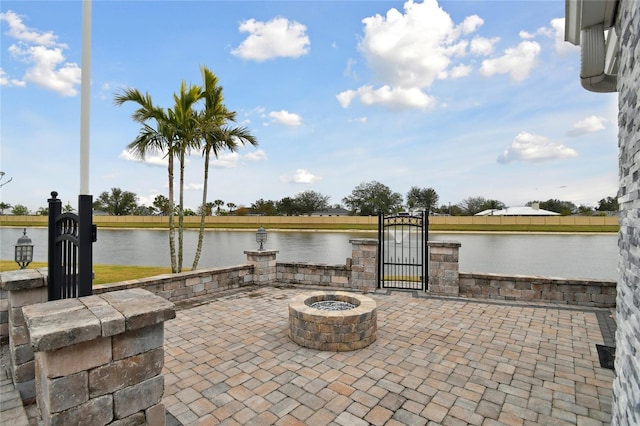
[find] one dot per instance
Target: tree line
(366, 199)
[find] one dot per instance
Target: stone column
(364, 264)
(444, 269)
(99, 358)
(264, 265)
(24, 287)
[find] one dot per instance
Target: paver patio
(436, 361)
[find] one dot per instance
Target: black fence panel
(70, 254)
(402, 251)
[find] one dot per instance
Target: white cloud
(6, 81)
(590, 124)
(561, 46)
(257, 155)
(276, 38)
(555, 31)
(150, 160)
(358, 120)
(534, 148)
(193, 186)
(226, 160)
(411, 49)
(285, 118)
(43, 54)
(393, 98)
(460, 71)
(301, 176)
(483, 46)
(345, 98)
(517, 62)
(407, 51)
(471, 24)
(21, 32)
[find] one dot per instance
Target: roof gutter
(589, 24)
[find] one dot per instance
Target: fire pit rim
(363, 304)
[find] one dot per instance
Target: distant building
(332, 211)
(518, 211)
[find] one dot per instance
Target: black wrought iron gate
(70, 249)
(402, 251)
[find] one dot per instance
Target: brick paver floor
(436, 361)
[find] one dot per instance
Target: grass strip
(104, 274)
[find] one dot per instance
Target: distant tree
(189, 212)
(585, 210)
(162, 205)
(218, 204)
(19, 210)
(474, 205)
(68, 208)
(267, 208)
(287, 206)
(367, 199)
(43, 211)
(311, 201)
(422, 198)
(231, 207)
(4, 206)
(116, 203)
(565, 208)
(143, 210)
(609, 204)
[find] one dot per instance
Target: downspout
(593, 51)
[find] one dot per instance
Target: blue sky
(478, 98)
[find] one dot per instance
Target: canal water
(554, 255)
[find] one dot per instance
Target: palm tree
(162, 138)
(187, 127)
(218, 203)
(216, 136)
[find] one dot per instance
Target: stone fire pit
(352, 325)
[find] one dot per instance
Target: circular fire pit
(338, 321)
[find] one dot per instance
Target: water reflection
(560, 255)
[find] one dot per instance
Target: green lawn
(103, 273)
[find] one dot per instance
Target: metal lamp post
(24, 250)
(261, 237)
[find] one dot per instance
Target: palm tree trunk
(202, 212)
(181, 211)
(172, 225)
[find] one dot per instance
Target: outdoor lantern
(261, 237)
(24, 250)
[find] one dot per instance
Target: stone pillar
(24, 287)
(364, 264)
(264, 266)
(99, 358)
(626, 386)
(444, 269)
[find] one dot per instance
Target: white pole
(85, 97)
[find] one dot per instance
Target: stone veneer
(626, 387)
(99, 359)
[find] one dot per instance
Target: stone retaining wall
(301, 273)
(538, 289)
(186, 285)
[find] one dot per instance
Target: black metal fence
(70, 257)
(402, 251)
